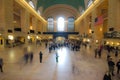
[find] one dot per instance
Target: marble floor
(72, 65)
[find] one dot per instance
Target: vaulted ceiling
(48, 3)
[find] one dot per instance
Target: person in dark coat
(96, 52)
(107, 76)
(31, 56)
(40, 56)
(118, 66)
(111, 66)
(1, 64)
(108, 57)
(26, 56)
(46, 44)
(116, 53)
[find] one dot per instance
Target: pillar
(25, 23)
(6, 18)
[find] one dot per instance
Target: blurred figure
(56, 57)
(1, 64)
(46, 43)
(118, 66)
(107, 76)
(26, 56)
(31, 56)
(108, 57)
(40, 56)
(116, 53)
(111, 66)
(96, 52)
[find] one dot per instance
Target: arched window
(50, 25)
(31, 4)
(60, 24)
(89, 2)
(71, 24)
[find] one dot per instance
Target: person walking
(31, 56)
(40, 56)
(46, 43)
(107, 76)
(56, 57)
(96, 52)
(118, 66)
(26, 56)
(1, 64)
(116, 53)
(111, 66)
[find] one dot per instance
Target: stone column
(6, 18)
(86, 25)
(25, 23)
(94, 36)
(40, 26)
(34, 23)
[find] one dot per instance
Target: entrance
(60, 39)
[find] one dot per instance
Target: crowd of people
(112, 53)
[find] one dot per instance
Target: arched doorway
(60, 39)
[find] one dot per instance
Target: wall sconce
(28, 37)
(118, 44)
(100, 29)
(90, 31)
(96, 41)
(37, 37)
(112, 43)
(31, 27)
(107, 43)
(10, 37)
(88, 40)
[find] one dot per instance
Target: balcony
(113, 35)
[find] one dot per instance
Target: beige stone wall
(118, 16)
(34, 23)
(2, 17)
(6, 15)
(25, 21)
(113, 14)
(7, 19)
(82, 24)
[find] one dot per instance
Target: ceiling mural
(47, 3)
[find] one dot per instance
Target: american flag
(98, 20)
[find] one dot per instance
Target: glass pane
(31, 4)
(60, 24)
(70, 24)
(50, 24)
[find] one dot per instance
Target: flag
(98, 20)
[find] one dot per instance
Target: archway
(60, 39)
